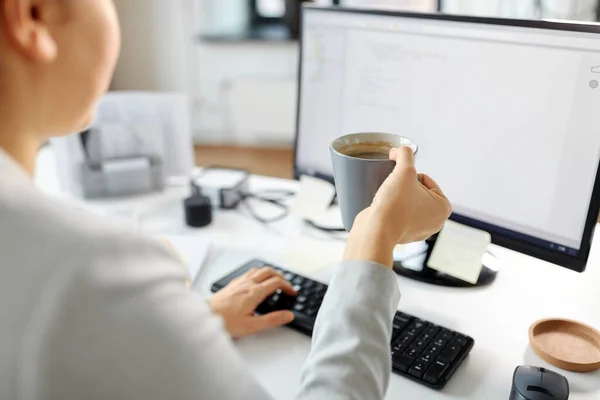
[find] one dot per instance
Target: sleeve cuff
(364, 283)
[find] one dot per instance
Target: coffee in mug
(369, 151)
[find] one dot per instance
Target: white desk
(498, 317)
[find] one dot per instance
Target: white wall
(582, 10)
(241, 92)
(157, 52)
(245, 92)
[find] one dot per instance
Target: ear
(26, 29)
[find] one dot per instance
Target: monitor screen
(506, 114)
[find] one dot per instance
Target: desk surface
(498, 317)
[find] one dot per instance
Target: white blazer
(90, 311)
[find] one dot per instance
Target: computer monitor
(506, 114)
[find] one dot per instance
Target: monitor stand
(412, 264)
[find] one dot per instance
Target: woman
(88, 311)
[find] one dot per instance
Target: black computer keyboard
(421, 350)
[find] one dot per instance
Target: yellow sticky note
(307, 256)
(459, 250)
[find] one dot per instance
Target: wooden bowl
(566, 344)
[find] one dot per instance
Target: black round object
(198, 211)
(536, 383)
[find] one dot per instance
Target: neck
(18, 141)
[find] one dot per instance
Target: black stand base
(415, 267)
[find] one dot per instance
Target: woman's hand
(403, 211)
(237, 302)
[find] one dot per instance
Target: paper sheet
(331, 218)
(459, 250)
(312, 199)
(124, 139)
(153, 121)
(191, 250)
(308, 255)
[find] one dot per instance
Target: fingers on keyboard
(420, 350)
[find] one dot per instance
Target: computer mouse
(535, 383)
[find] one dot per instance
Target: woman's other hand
(407, 208)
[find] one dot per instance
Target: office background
(243, 90)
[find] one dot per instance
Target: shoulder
(73, 246)
(109, 294)
(69, 229)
